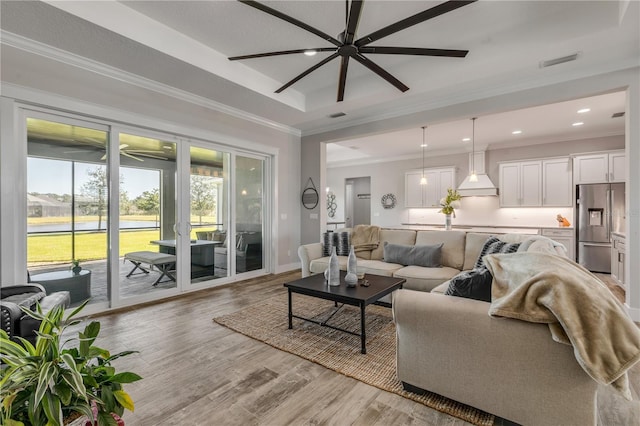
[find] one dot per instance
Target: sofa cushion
(494, 245)
(429, 256)
(395, 236)
(378, 267)
(424, 279)
(453, 248)
(474, 284)
(318, 266)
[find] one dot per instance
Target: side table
(78, 285)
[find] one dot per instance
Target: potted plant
(52, 382)
(76, 268)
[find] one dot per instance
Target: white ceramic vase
(447, 222)
(334, 269)
(351, 279)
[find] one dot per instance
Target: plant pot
(76, 269)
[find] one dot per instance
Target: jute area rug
(267, 321)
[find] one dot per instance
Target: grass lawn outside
(195, 220)
(56, 248)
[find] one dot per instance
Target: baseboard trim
(286, 268)
(634, 313)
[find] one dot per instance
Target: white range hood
(483, 186)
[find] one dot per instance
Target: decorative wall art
(310, 196)
(331, 204)
(388, 201)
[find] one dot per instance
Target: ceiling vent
(556, 61)
(618, 114)
(336, 115)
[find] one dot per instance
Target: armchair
(17, 323)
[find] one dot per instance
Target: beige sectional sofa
(459, 252)
(451, 346)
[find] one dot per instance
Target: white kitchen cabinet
(617, 166)
(617, 258)
(557, 189)
(521, 184)
(600, 167)
(439, 180)
(566, 237)
(536, 183)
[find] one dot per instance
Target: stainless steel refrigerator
(600, 212)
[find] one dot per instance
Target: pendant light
(423, 180)
(473, 177)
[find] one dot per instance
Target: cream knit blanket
(365, 237)
(579, 309)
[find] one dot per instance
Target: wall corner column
(632, 241)
(313, 164)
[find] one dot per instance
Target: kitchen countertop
(477, 228)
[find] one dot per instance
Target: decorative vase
(351, 279)
(447, 222)
(334, 269)
(76, 270)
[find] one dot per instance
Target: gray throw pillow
(429, 256)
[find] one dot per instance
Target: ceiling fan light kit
(347, 47)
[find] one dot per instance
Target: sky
(54, 176)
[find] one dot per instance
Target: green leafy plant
(45, 383)
(450, 202)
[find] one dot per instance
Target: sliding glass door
(249, 213)
(147, 215)
(144, 214)
(67, 206)
(208, 211)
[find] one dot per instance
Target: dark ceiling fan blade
(381, 72)
(282, 52)
(291, 20)
(352, 24)
(413, 51)
(308, 71)
(413, 20)
(342, 80)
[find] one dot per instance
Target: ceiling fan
(347, 46)
(134, 154)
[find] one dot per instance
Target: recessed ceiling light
(583, 110)
(423, 145)
(516, 132)
(579, 123)
(466, 139)
(310, 52)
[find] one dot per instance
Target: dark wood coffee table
(361, 296)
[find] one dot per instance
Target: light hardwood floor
(196, 372)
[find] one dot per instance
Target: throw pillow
(474, 284)
(342, 241)
(327, 243)
(494, 245)
(429, 256)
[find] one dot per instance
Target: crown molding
(41, 49)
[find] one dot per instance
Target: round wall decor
(388, 201)
(331, 204)
(310, 196)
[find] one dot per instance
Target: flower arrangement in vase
(448, 205)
